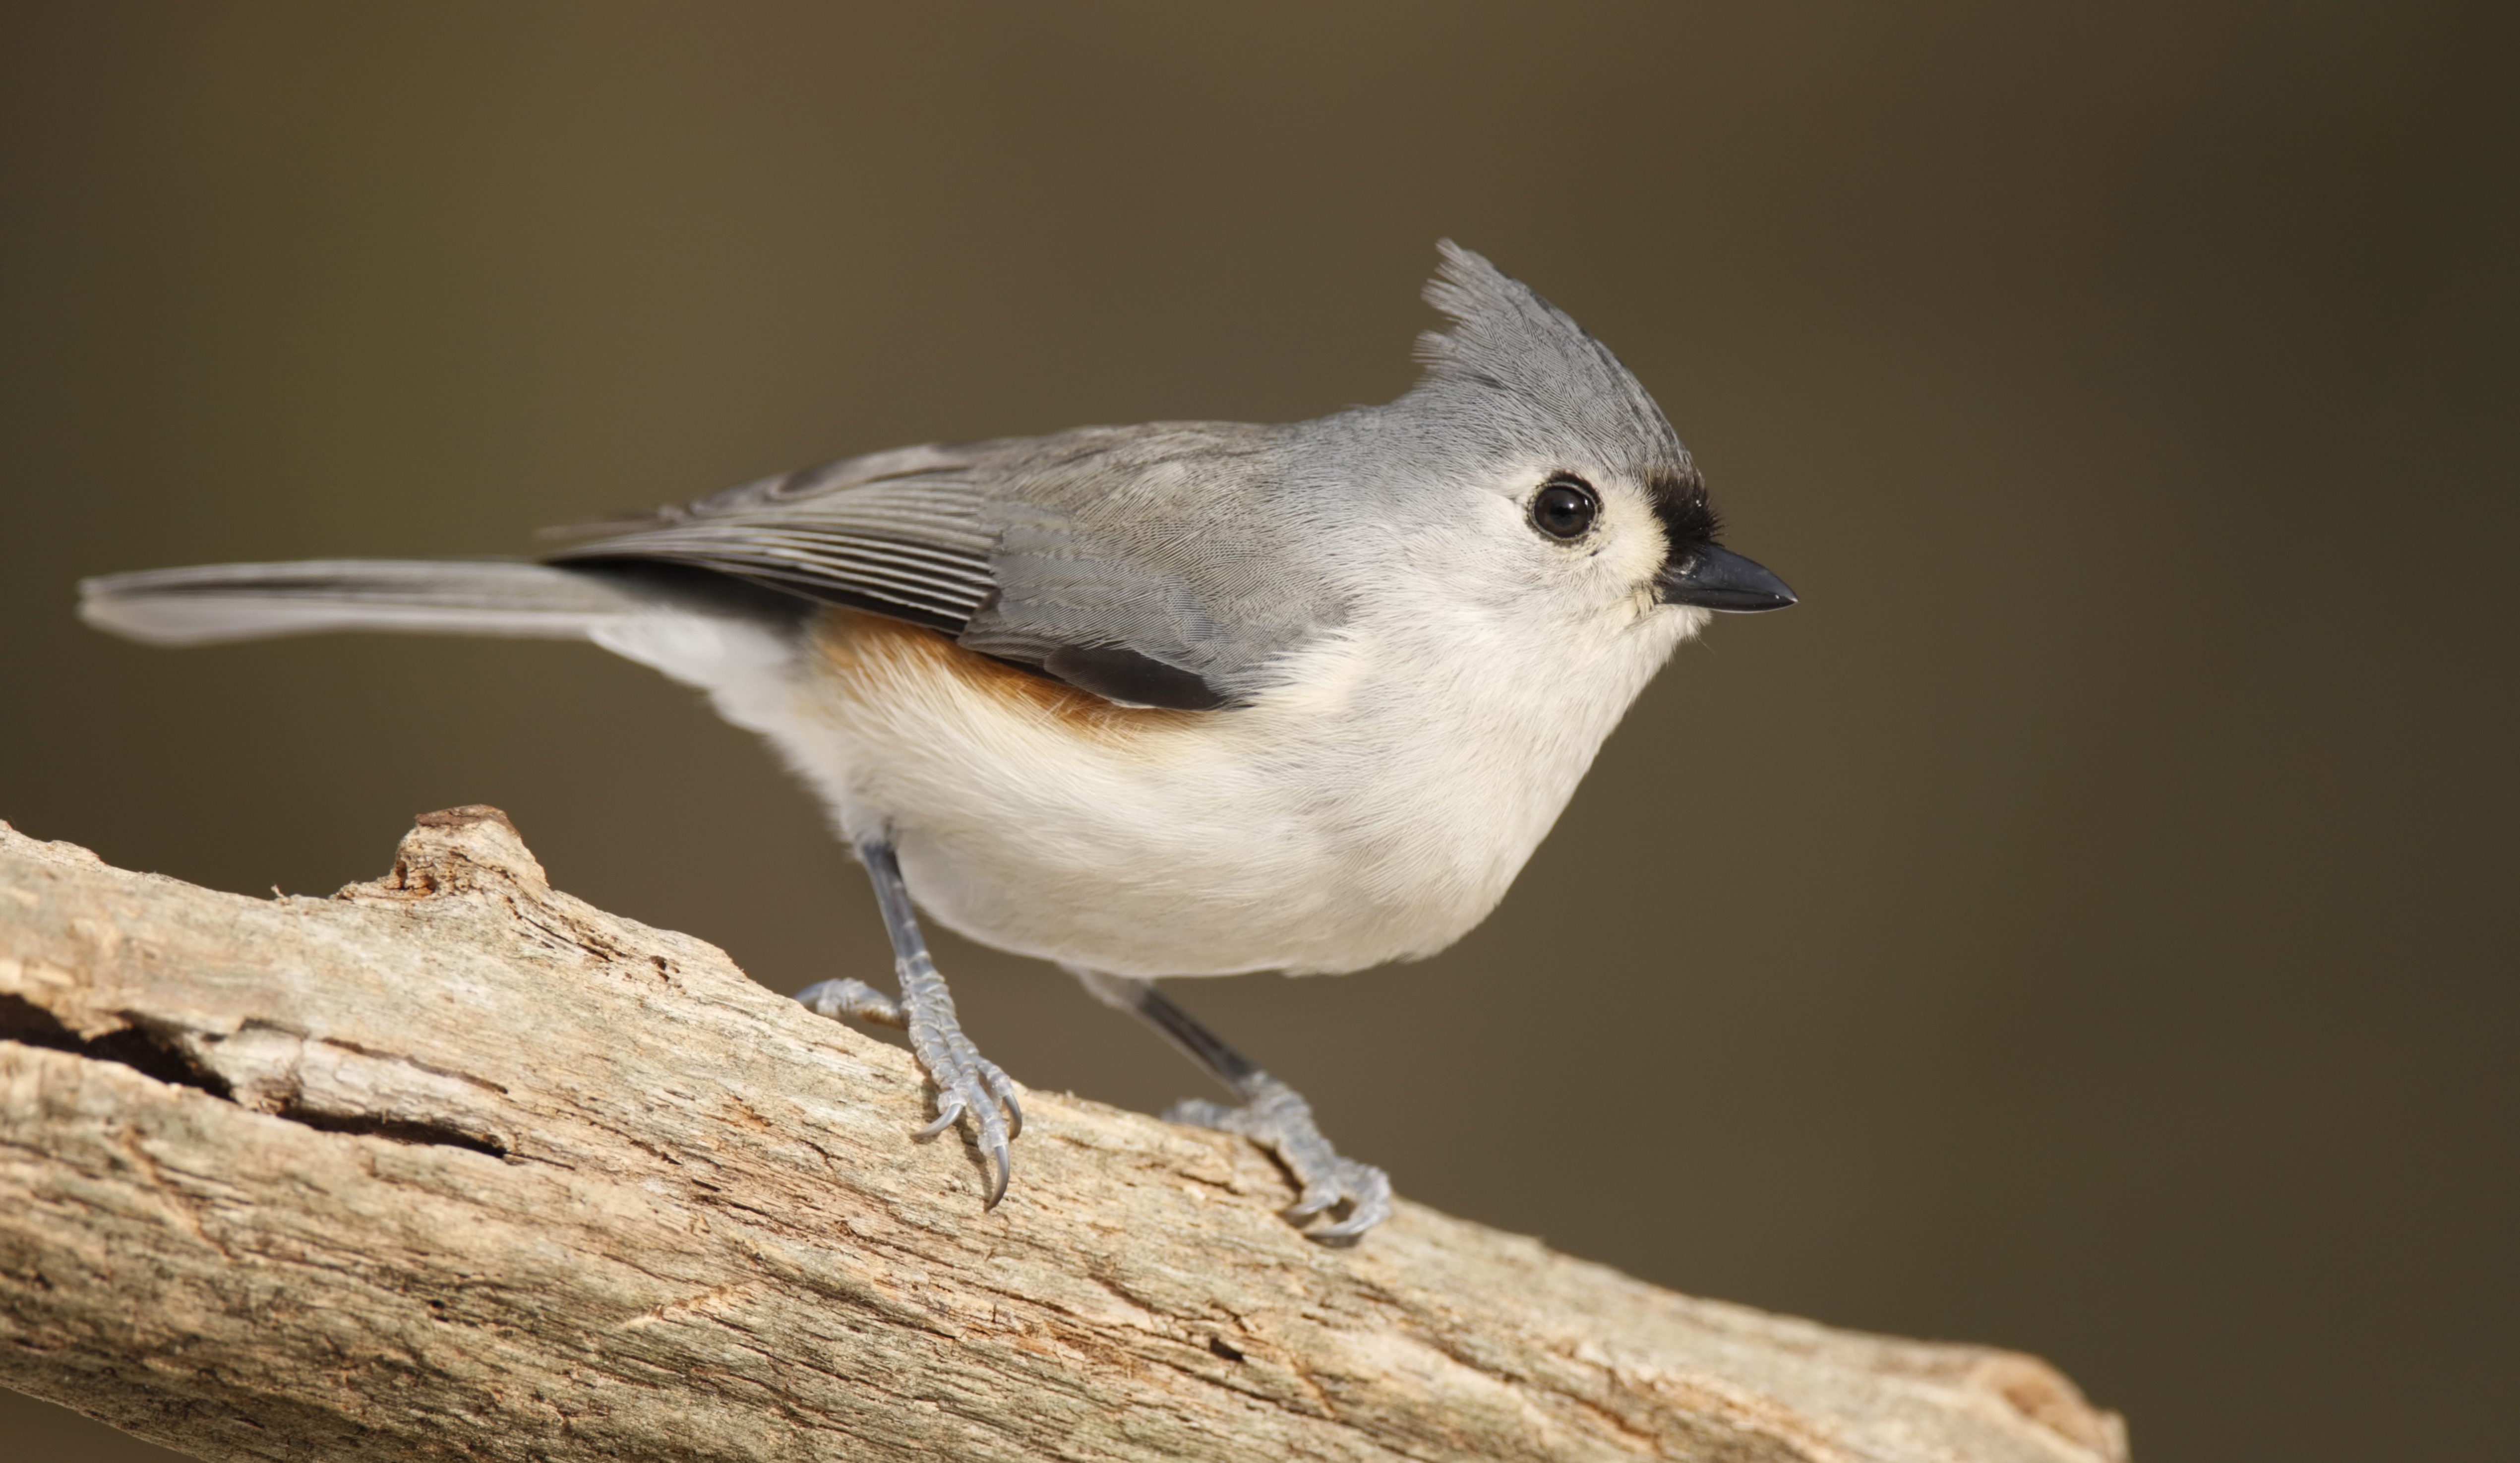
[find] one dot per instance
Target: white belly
(1359, 819)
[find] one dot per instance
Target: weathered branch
(453, 1165)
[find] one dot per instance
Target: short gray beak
(1714, 578)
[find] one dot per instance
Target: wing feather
(898, 533)
(1145, 563)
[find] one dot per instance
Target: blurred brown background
(2084, 924)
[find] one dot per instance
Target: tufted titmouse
(1186, 699)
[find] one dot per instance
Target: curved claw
(974, 1087)
(949, 1111)
(1006, 1170)
(990, 1129)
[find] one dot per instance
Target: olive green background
(2084, 924)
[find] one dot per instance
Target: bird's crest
(1513, 352)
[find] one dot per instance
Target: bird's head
(1546, 495)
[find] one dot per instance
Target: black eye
(1564, 507)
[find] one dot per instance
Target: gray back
(1169, 564)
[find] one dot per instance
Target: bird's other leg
(967, 1084)
(1272, 1113)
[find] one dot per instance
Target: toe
(1003, 1089)
(1318, 1197)
(967, 1091)
(953, 1100)
(989, 1129)
(1368, 1194)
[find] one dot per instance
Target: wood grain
(453, 1165)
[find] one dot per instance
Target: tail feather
(220, 602)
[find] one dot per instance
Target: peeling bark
(454, 1165)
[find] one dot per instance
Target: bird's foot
(967, 1084)
(1277, 1119)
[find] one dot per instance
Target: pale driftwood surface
(454, 1165)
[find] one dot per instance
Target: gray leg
(1272, 1114)
(967, 1084)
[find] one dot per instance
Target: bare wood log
(454, 1165)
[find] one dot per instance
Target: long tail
(218, 602)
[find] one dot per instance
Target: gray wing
(1136, 562)
(898, 533)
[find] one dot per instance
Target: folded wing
(898, 533)
(1139, 564)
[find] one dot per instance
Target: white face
(1537, 586)
(1553, 548)
(1595, 541)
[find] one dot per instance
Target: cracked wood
(454, 1165)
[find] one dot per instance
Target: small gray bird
(1186, 699)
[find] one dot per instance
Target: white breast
(1374, 806)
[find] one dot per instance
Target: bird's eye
(1564, 507)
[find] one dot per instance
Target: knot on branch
(462, 850)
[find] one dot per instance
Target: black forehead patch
(1679, 501)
